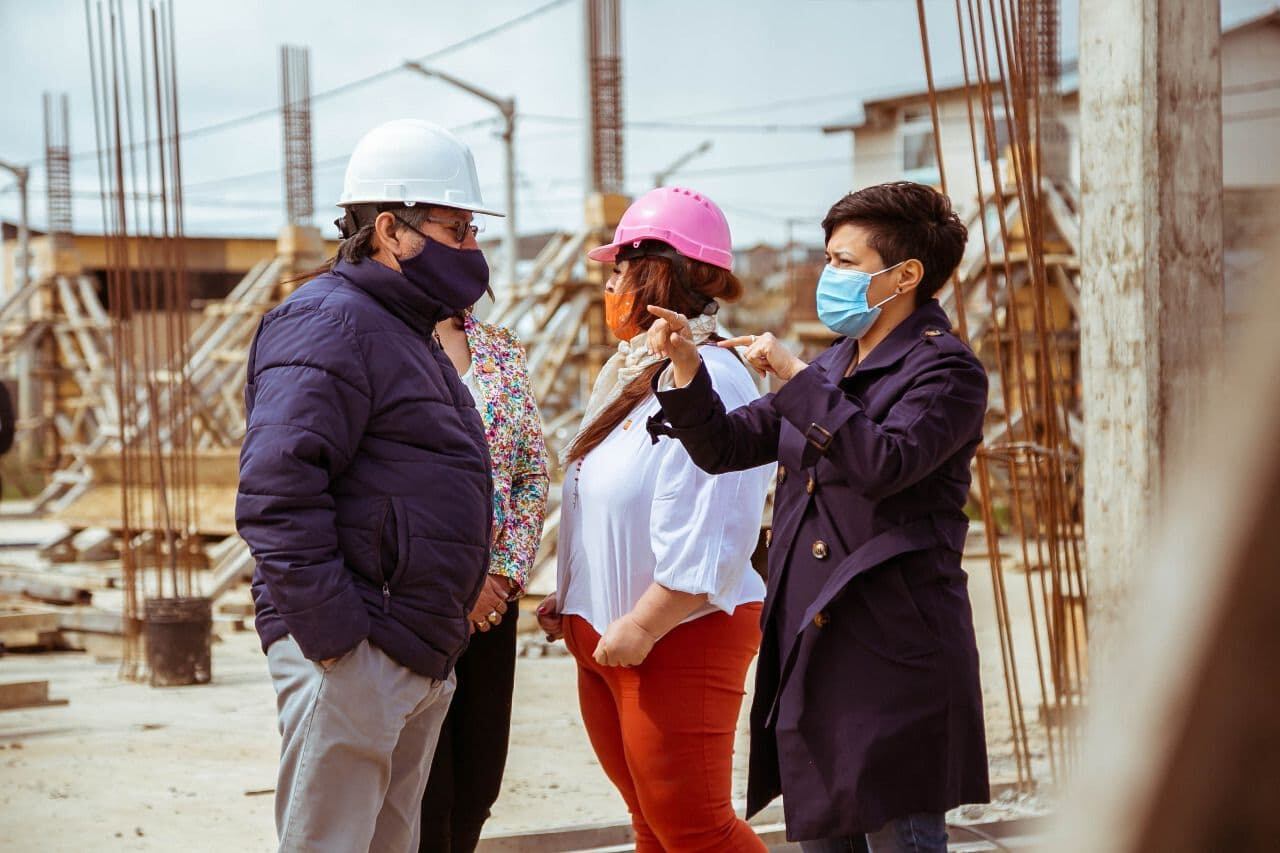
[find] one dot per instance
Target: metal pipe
(510, 240)
(23, 261)
(661, 178)
(28, 394)
(507, 107)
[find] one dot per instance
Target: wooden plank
(237, 565)
(95, 544)
(99, 506)
(1066, 223)
(1067, 286)
(44, 590)
(26, 694)
(17, 618)
(100, 503)
(60, 550)
(90, 620)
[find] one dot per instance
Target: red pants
(663, 730)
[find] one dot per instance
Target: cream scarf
(632, 359)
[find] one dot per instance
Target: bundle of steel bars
(135, 88)
(1028, 471)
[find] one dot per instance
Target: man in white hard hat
(365, 495)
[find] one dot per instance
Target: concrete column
(1152, 289)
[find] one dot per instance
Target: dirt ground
(127, 767)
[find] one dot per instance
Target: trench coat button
(820, 550)
(782, 475)
(811, 486)
(821, 620)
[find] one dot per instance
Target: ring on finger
(494, 618)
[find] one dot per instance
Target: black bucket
(178, 631)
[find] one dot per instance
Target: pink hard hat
(684, 219)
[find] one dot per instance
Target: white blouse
(634, 512)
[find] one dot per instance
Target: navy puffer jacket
(365, 489)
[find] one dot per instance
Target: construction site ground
(123, 766)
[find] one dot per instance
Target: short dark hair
(906, 220)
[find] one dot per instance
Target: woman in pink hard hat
(656, 596)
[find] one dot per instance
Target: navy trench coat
(868, 705)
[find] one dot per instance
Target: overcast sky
(730, 62)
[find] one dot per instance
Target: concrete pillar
(303, 251)
(1151, 245)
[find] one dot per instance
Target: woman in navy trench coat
(868, 708)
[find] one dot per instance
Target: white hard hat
(413, 162)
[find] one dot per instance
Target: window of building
(919, 146)
(1002, 135)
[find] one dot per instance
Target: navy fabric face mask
(457, 278)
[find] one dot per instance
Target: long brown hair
(654, 281)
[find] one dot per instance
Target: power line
(675, 125)
(1251, 117)
(739, 210)
(787, 166)
(388, 72)
(772, 105)
(1256, 86)
(326, 163)
(1239, 88)
(265, 173)
(248, 204)
(332, 161)
(343, 88)
(890, 157)
(577, 180)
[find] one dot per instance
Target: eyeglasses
(461, 227)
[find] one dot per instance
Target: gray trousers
(357, 743)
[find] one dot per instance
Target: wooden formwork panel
(217, 476)
(26, 694)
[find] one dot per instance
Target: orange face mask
(617, 314)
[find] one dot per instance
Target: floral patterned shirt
(513, 428)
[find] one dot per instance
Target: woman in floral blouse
(466, 773)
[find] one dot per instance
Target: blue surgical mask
(842, 300)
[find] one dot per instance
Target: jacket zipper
(386, 584)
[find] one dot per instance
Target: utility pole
(22, 276)
(1151, 269)
(507, 107)
(22, 263)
